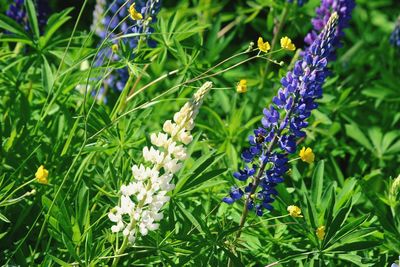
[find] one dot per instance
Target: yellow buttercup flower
(294, 211)
(135, 15)
(241, 87)
(307, 155)
(41, 175)
(265, 47)
(287, 44)
(320, 232)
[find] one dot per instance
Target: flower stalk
(271, 143)
(143, 198)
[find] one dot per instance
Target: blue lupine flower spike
(395, 36)
(282, 123)
(17, 12)
(123, 17)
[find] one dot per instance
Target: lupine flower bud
(343, 8)
(142, 199)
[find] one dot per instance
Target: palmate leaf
(195, 177)
(355, 241)
(353, 131)
(337, 221)
(55, 21)
(348, 228)
(196, 222)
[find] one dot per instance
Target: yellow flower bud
(41, 175)
(265, 47)
(287, 44)
(241, 87)
(135, 15)
(114, 48)
(307, 155)
(294, 211)
(320, 232)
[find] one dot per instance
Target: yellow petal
(294, 211)
(307, 155)
(135, 15)
(41, 175)
(241, 86)
(287, 44)
(264, 47)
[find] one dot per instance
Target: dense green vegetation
(60, 109)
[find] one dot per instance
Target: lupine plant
(282, 124)
(199, 133)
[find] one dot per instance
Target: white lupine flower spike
(143, 198)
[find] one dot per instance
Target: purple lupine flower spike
(343, 8)
(395, 36)
(282, 123)
(17, 12)
(116, 22)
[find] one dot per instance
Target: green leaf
(348, 228)
(195, 222)
(337, 222)
(317, 183)
(4, 218)
(358, 245)
(375, 134)
(58, 261)
(330, 208)
(47, 75)
(354, 132)
(311, 213)
(53, 24)
(346, 192)
(30, 8)
(201, 165)
(12, 26)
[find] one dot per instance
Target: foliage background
(88, 152)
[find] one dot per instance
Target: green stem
(18, 188)
(120, 251)
(284, 14)
(260, 173)
(122, 99)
